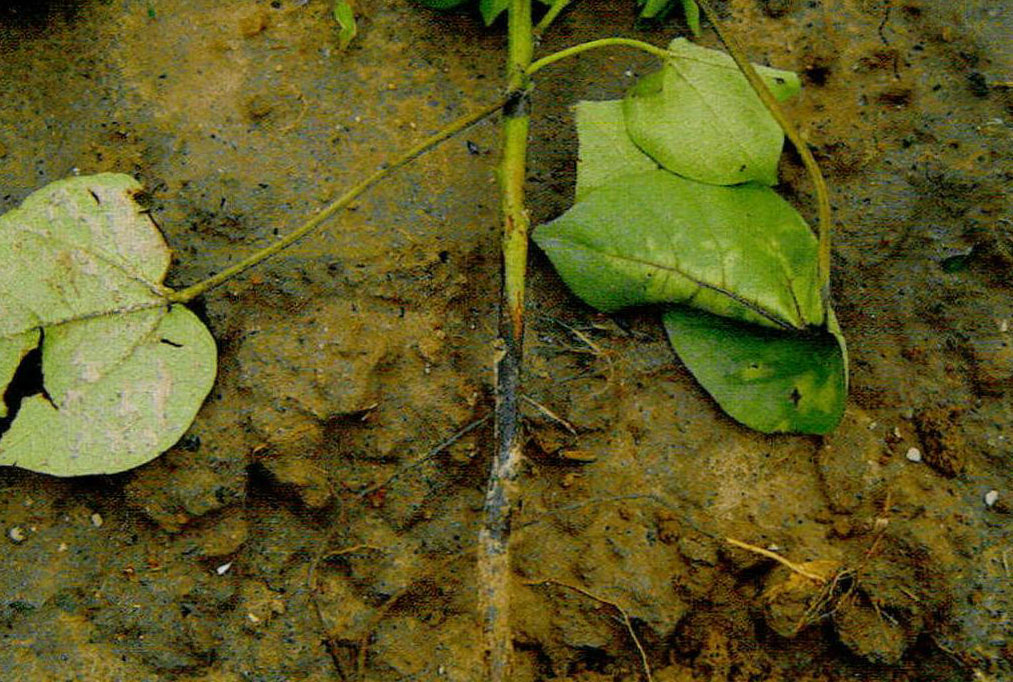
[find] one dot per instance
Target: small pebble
(96, 520)
(914, 455)
(16, 535)
(991, 497)
(223, 569)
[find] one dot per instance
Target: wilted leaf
(345, 16)
(653, 237)
(124, 372)
(606, 151)
(772, 381)
(699, 117)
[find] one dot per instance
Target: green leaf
(692, 12)
(771, 381)
(345, 16)
(654, 237)
(606, 151)
(441, 4)
(699, 117)
(654, 9)
(659, 9)
(124, 372)
(491, 9)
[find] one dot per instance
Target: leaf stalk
(791, 132)
(443, 134)
(594, 45)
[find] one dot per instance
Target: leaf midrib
(718, 120)
(750, 305)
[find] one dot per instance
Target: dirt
(316, 498)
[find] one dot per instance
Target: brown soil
(346, 361)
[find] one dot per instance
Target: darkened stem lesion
(503, 492)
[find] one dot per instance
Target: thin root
(426, 457)
(790, 565)
(617, 607)
(381, 613)
(830, 594)
(311, 589)
(596, 350)
(550, 414)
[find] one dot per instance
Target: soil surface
(316, 499)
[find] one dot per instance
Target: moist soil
(318, 521)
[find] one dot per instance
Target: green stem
(521, 45)
(594, 45)
(550, 16)
(503, 490)
(448, 131)
(812, 168)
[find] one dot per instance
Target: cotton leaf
(699, 117)
(606, 151)
(123, 370)
(772, 381)
(654, 237)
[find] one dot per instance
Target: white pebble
(223, 569)
(914, 455)
(991, 497)
(16, 535)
